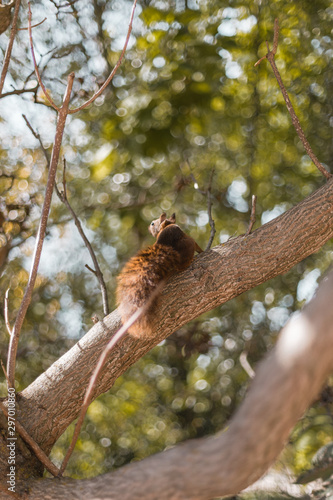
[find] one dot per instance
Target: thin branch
(62, 115)
(208, 194)
(209, 210)
(19, 92)
(37, 136)
(253, 215)
(97, 271)
(42, 457)
(113, 72)
(10, 45)
(270, 56)
(63, 197)
(246, 365)
(102, 359)
(48, 97)
(34, 25)
(90, 269)
(9, 330)
(4, 370)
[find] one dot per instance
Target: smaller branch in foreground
(253, 215)
(42, 457)
(102, 359)
(270, 56)
(8, 327)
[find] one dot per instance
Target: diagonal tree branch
(215, 277)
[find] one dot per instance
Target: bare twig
(4, 370)
(208, 194)
(253, 215)
(270, 56)
(90, 269)
(97, 271)
(62, 115)
(102, 359)
(37, 136)
(9, 330)
(10, 45)
(209, 210)
(246, 365)
(34, 25)
(48, 97)
(113, 72)
(19, 92)
(33, 445)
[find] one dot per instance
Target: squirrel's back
(173, 252)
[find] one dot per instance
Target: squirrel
(172, 252)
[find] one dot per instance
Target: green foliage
(187, 98)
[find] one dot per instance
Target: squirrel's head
(158, 224)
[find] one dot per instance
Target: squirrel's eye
(152, 224)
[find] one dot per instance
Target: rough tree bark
(286, 382)
(52, 402)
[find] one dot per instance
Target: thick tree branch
(214, 278)
(286, 383)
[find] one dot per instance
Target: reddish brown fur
(173, 252)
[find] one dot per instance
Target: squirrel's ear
(162, 217)
(173, 218)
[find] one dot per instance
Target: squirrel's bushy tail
(138, 280)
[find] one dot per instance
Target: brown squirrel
(172, 252)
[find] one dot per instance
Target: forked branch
(62, 115)
(63, 112)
